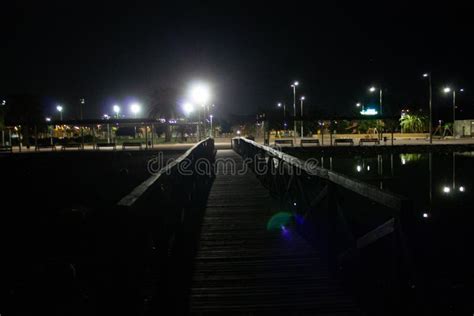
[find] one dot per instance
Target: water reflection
(434, 181)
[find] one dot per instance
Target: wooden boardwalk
(243, 267)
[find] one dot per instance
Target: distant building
(464, 128)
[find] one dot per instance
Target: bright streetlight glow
(425, 75)
(295, 84)
(279, 105)
(116, 109)
(302, 98)
(4, 102)
(358, 104)
(135, 108)
(59, 108)
(446, 189)
(462, 189)
(372, 89)
(48, 119)
(447, 90)
(200, 94)
(359, 168)
(426, 215)
(188, 108)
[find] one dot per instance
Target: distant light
(4, 102)
(447, 90)
(238, 132)
(446, 189)
(188, 108)
(211, 116)
(462, 90)
(294, 203)
(48, 119)
(59, 108)
(359, 168)
(403, 161)
(372, 89)
(426, 75)
(279, 104)
(368, 168)
(358, 104)
(106, 116)
(462, 189)
(83, 101)
(426, 215)
(135, 108)
(302, 98)
(200, 94)
(116, 109)
(295, 84)
(369, 112)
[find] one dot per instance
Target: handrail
(316, 198)
(391, 200)
(138, 191)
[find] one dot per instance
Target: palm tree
(412, 123)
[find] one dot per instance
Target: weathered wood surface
(242, 267)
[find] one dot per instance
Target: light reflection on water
(434, 181)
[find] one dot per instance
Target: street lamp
(200, 95)
(188, 108)
(60, 110)
(210, 132)
(372, 90)
(302, 99)
(428, 75)
(448, 90)
(294, 85)
(116, 109)
(135, 108)
(284, 113)
(82, 101)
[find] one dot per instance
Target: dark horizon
(249, 55)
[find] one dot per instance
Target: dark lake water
(440, 186)
(436, 182)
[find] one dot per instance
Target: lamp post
(116, 109)
(60, 110)
(200, 95)
(284, 113)
(82, 101)
(210, 132)
(430, 92)
(294, 85)
(448, 90)
(302, 99)
(135, 108)
(373, 89)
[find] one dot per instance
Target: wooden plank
(243, 267)
(383, 230)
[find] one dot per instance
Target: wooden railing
(325, 203)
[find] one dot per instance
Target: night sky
(249, 53)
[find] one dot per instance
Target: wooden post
(331, 228)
